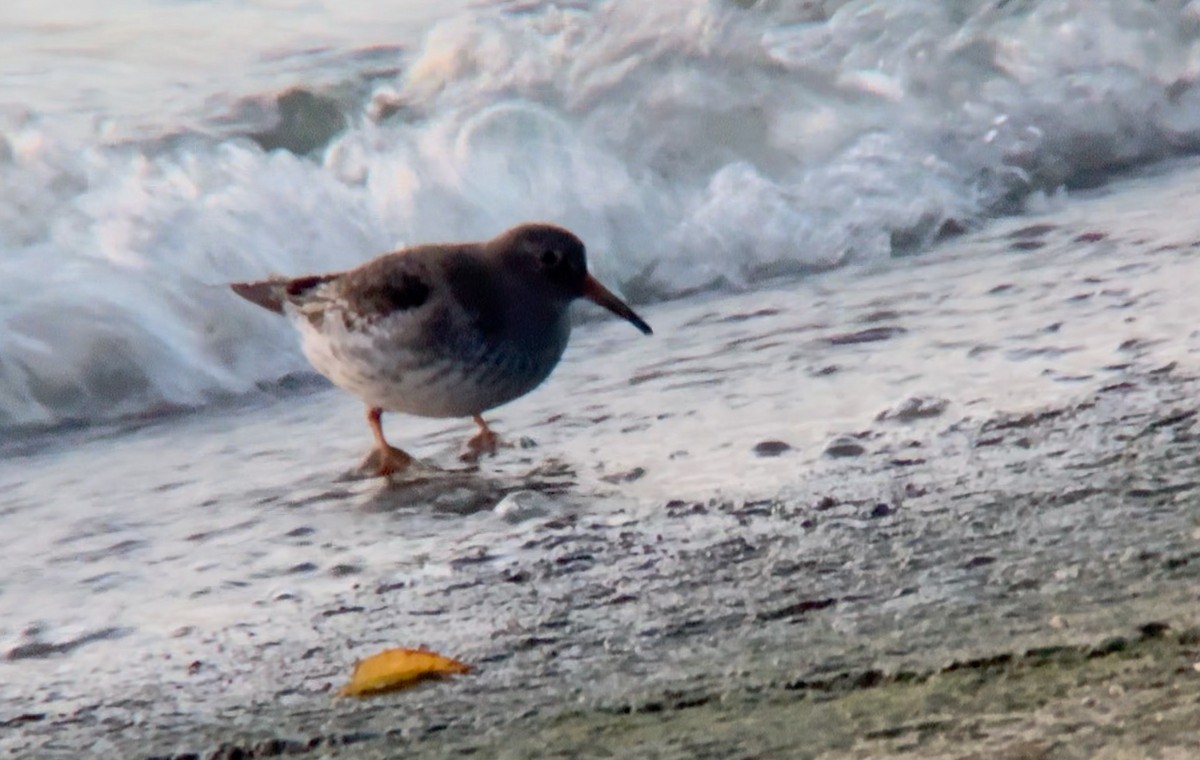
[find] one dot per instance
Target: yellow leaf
(395, 669)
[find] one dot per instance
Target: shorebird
(444, 330)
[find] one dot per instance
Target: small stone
(979, 561)
(881, 510)
(515, 576)
(520, 506)
(844, 446)
(826, 502)
(1154, 630)
(770, 448)
(1110, 646)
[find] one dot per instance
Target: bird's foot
(483, 442)
(385, 461)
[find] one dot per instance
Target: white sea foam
(692, 144)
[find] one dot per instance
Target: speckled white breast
(391, 367)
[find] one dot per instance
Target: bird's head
(556, 258)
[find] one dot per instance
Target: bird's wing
(395, 285)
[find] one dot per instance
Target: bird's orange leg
(386, 459)
(483, 442)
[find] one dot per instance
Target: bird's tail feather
(268, 294)
(274, 292)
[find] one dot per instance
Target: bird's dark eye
(552, 258)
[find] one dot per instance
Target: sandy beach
(946, 507)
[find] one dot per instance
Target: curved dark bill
(597, 293)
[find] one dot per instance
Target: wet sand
(867, 514)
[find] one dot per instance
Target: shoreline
(753, 501)
(1068, 643)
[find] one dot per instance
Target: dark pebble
(881, 510)
(979, 561)
(844, 446)
(770, 448)
(1154, 630)
(516, 576)
(1110, 646)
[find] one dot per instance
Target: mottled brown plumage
(442, 330)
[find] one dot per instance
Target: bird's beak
(597, 293)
